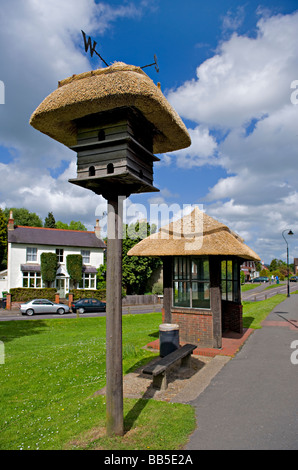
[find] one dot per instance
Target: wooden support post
(114, 387)
(215, 297)
(167, 288)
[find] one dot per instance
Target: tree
(277, 264)
(24, 217)
(72, 226)
(48, 267)
(137, 270)
(49, 221)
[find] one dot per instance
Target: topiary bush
(48, 267)
(74, 265)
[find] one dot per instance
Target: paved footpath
(252, 403)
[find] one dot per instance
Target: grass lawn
(246, 287)
(52, 369)
(255, 312)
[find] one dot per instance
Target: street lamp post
(289, 233)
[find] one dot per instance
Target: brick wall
(195, 326)
(232, 316)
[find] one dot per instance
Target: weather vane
(88, 44)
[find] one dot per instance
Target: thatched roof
(195, 234)
(105, 89)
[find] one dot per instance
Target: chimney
(10, 225)
(97, 229)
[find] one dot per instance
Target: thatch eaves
(103, 90)
(195, 234)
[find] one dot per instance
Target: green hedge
(74, 266)
(99, 294)
(48, 267)
(20, 294)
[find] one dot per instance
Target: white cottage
(26, 244)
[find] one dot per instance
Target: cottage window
(31, 279)
(88, 281)
(59, 253)
(86, 256)
(230, 280)
(191, 282)
(31, 254)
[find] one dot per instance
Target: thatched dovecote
(115, 118)
(119, 85)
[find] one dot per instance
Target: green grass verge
(246, 287)
(52, 370)
(255, 312)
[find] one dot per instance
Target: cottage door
(60, 286)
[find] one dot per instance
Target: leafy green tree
(24, 217)
(48, 267)
(137, 270)
(277, 264)
(72, 226)
(49, 221)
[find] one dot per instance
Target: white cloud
(202, 149)
(244, 93)
(42, 44)
(247, 78)
(232, 21)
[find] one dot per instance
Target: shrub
(157, 288)
(20, 294)
(48, 267)
(99, 294)
(74, 265)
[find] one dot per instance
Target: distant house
(249, 270)
(26, 244)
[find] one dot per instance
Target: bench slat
(161, 365)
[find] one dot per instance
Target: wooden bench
(159, 368)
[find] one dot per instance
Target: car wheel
(30, 312)
(61, 311)
(81, 310)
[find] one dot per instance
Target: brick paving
(231, 344)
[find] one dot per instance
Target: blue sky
(225, 66)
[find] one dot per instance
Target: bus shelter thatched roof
(195, 234)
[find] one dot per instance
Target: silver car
(43, 306)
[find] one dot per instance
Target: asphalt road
(256, 294)
(261, 292)
(6, 315)
(251, 404)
